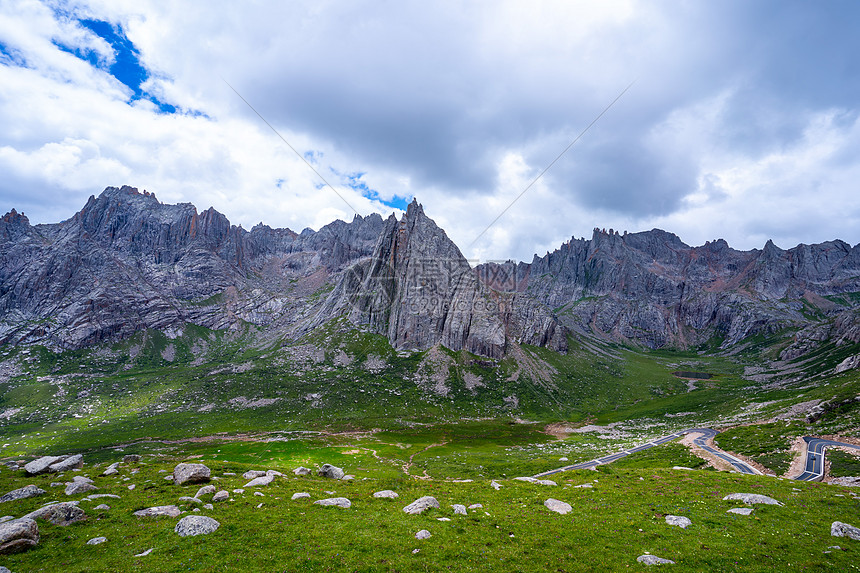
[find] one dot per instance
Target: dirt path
(408, 464)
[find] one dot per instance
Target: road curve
(815, 447)
(701, 441)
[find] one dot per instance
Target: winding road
(814, 454)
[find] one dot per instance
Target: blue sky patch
(9, 56)
(353, 180)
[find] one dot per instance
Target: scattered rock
(145, 553)
(22, 493)
(130, 458)
(96, 540)
(750, 498)
(186, 499)
(190, 473)
(238, 490)
(76, 487)
(495, 485)
(459, 509)
(335, 501)
(42, 465)
(261, 481)
(839, 529)
(252, 474)
(537, 481)
(83, 479)
(93, 496)
(741, 510)
(259, 494)
(222, 495)
(682, 468)
(654, 560)
(583, 486)
(678, 520)
(111, 469)
(300, 495)
(18, 535)
(102, 507)
(476, 506)
(348, 478)
(557, 506)
(387, 493)
(67, 464)
(302, 471)
(208, 506)
(195, 525)
(64, 513)
(330, 471)
(423, 534)
(420, 504)
(443, 519)
(205, 490)
(562, 459)
(168, 510)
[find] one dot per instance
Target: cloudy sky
(742, 121)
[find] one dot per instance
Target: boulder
(423, 534)
(67, 464)
(195, 525)
(190, 473)
(459, 509)
(205, 490)
(42, 465)
(330, 471)
(654, 560)
(557, 506)
(76, 487)
(18, 535)
(387, 493)
(741, 510)
(168, 510)
(678, 520)
(222, 495)
(335, 501)
(750, 498)
(111, 469)
(131, 458)
(96, 540)
(302, 471)
(252, 474)
(420, 504)
(261, 481)
(839, 529)
(22, 493)
(300, 495)
(63, 514)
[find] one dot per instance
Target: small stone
(839, 529)
(253, 474)
(419, 505)
(260, 494)
(261, 481)
(76, 487)
(302, 471)
(459, 509)
(476, 506)
(741, 510)
(330, 471)
(495, 485)
(186, 499)
(443, 518)
(96, 540)
(205, 490)
(387, 493)
(415, 551)
(557, 506)
(751, 498)
(145, 553)
(18, 535)
(239, 490)
(222, 495)
(654, 560)
(102, 507)
(423, 534)
(131, 487)
(168, 510)
(195, 525)
(131, 458)
(678, 520)
(168, 478)
(208, 506)
(67, 464)
(335, 501)
(562, 459)
(83, 479)
(22, 493)
(93, 496)
(191, 473)
(583, 486)
(111, 469)
(300, 495)
(348, 478)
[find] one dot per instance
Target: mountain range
(127, 262)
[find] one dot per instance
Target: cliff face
(653, 289)
(419, 290)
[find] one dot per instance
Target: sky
(742, 121)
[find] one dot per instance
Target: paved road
(701, 441)
(815, 447)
